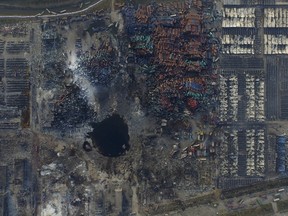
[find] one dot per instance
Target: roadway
(52, 15)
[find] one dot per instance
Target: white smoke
(80, 79)
(73, 61)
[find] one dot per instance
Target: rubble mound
(110, 136)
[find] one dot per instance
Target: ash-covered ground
(99, 66)
(123, 109)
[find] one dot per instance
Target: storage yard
(159, 108)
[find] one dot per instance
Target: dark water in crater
(111, 136)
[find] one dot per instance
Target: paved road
(51, 15)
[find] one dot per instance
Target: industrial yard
(139, 108)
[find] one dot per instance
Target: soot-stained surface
(72, 110)
(110, 136)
